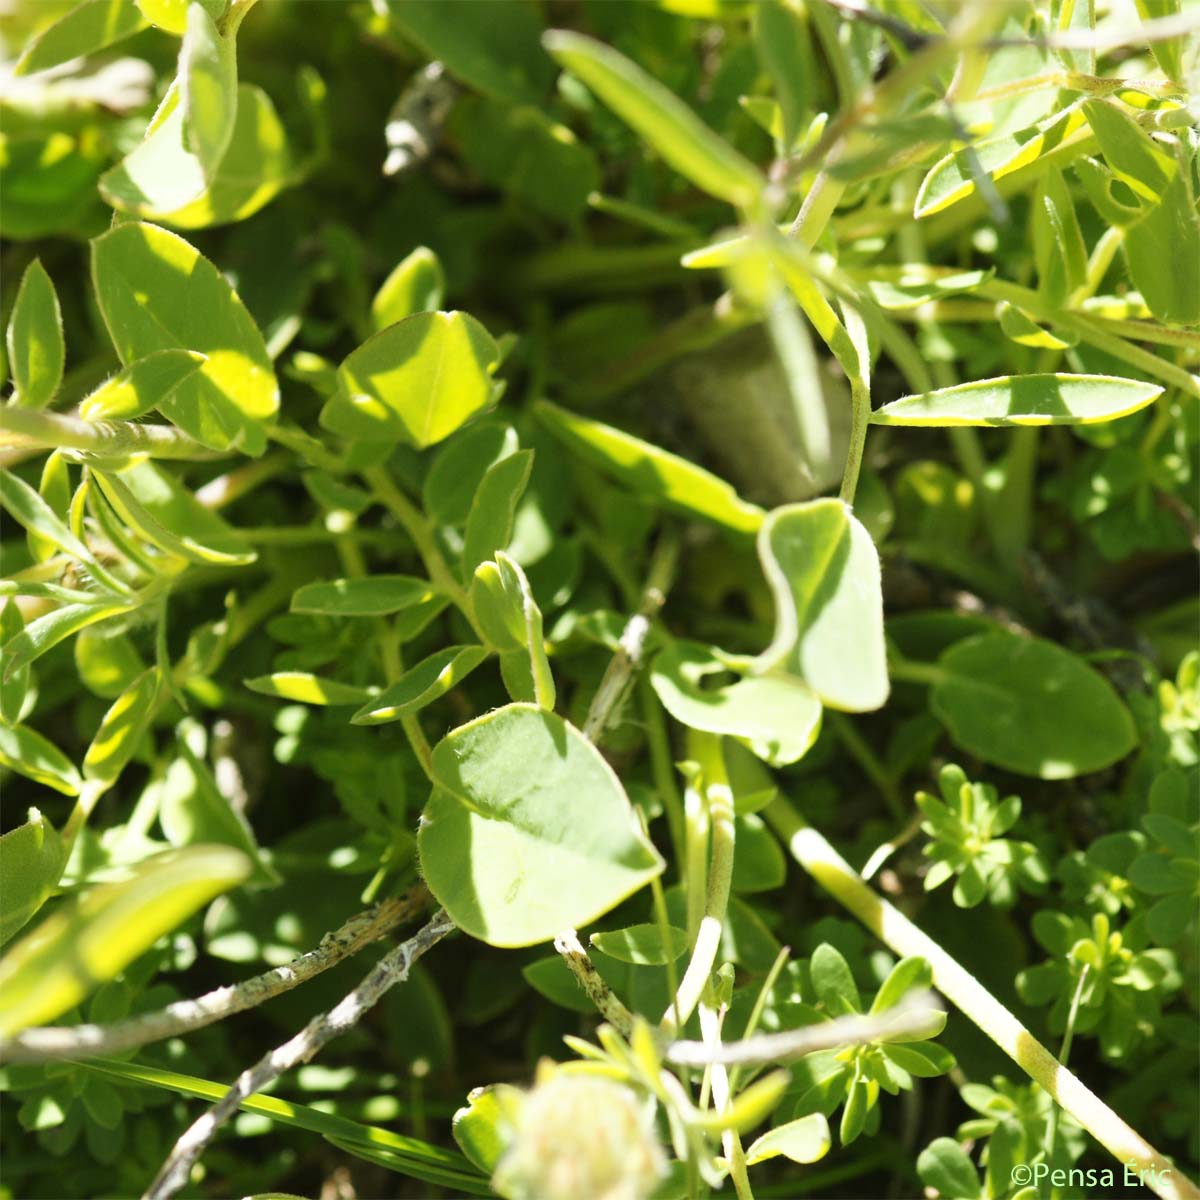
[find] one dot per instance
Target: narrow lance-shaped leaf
(375, 596)
(54, 488)
(209, 90)
(48, 630)
(490, 521)
(308, 688)
(1058, 246)
(78, 948)
(36, 350)
(654, 473)
(1023, 400)
(660, 117)
(421, 685)
(25, 751)
(13, 690)
(122, 729)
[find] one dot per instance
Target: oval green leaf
(139, 388)
(416, 284)
(83, 30)
(82, 946)
(1030, 706)
(805, 1140)
(31, 863)
(1023, 400)
(528, 831)
(156, 292)
(416, 381)
(36, 350)
(25, 751)
(642, 945)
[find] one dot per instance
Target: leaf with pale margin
(823, 571)
(83, 30)
(209, 88)
(421, 685)
(374, 596)
(805, 1140)
(1023, 400)
(528, 831)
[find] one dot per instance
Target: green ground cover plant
(600, 598)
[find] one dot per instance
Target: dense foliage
(531, 479)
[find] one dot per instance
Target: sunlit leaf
(31, 863)
(36, 351)
(89, 27)
(421, 685)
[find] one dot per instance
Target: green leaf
(25, 751)
(823, 571)
(954, 177)
(1058, 247)
(550, 977)
(778, 715)
(193, 810)
(158, 293)
(1168, 52)
(420, 685)
(926, 1060)
(1030, 706)
(122, 729)
(36, 351)
(89, 27)
(308, 689)
(375, 596)
(805, 1140)
(760, 864)
(660, 117)
(916, 283)
(480, 1128)
(907, 974)
(945, 1166)
(172, 15)
(528, 831)
(490, 521)
(209, 88)
(1161, 232)
(642, 945)
(833, 982)
(459, 469)
(163, 179)
(83, 945)
(416, 284)
(653, 473)
(408, 1156)
(31, 864)
(496, 52)
(511, 621)
(1023, 400)
(416, 381)
(785, 47)
(168, 516)
(1021, 328)
(14, 688)
(54, 489)
(45, 632)
(107, 665)
(32, 512)
(142, 387)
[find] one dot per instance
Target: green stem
(662, 767)
(860, 420)
(35, 429)
(963, 990)
(719, 798)
(906, 670)
(847, 733)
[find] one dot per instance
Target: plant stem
(719, 803)
(962, 989)
(37, 429)
(868, 760)
(184, 1016)
(731, 1143)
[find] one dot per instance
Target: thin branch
(184, 1016)
(392, 969)
(601, 995)
(606, 704)
(910, 1019)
